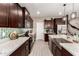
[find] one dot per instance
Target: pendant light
(73, 14)
(64, 17)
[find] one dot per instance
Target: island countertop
(72, 48)
(62, 36)
(9, 47)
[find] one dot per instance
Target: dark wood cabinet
(23, 50)
(30, 44)
(65, 52)
(28, 22)
(20, 17)
(12, 15)
(46, 37)
(27, 18)
(16, 16)
(25, 13)
(57, 49)
(57, 21)
(55, 26)
(53, 49)
(4, 9)
(48, 24)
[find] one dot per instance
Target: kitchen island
(60, 45)
(72, 48)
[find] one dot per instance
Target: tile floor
(40, 48)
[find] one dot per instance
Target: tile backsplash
(4, 32)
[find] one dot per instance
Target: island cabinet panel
(4, 10)
(65, 52)
(57, 49)
(53, 49)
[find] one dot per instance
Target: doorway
(40, 30)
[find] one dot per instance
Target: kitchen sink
(57, 41)
(61, 40)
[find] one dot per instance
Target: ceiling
(50, 9)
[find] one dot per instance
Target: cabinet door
(58, 51)
(50, 44)
(17, 52)
(13, 18)
(4, 12)
(29, 22)
(20, 18)
(53, 48)
(46, 37)
(66, 53)
(48, 24)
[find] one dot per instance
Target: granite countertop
(58, 36)
(9, 47)
(62, 36)
(72, 48)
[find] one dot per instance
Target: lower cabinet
(53, 48)
(30, 44)
(65, 53)
(46, 37)
(57, 50)
(23, 50)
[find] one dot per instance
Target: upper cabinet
(28, 20)
(59, 21)
(48, 24)
(14, 16)
(4, 10)
(20, 17)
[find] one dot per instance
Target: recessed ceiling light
(60, 13)
(73, 15)
(38, 12)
